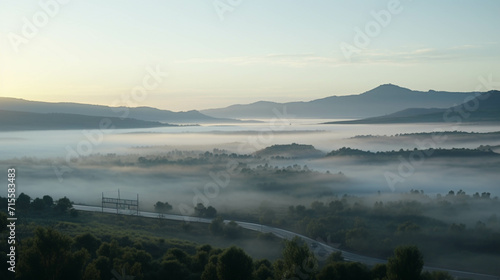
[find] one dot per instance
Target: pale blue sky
(96, 51)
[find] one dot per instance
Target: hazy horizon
(89, 52)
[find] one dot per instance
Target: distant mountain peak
(389, 85)
(387, 89)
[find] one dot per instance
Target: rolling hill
(293, 150)
(14, 120)
(140, 113)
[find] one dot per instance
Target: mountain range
(382, 100)
(485, 107)
(384, 104)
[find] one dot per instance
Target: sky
(182, 55)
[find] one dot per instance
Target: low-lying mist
(238, 182)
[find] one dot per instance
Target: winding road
(320, 249)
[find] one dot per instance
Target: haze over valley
(249, 140)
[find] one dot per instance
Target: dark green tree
(100, 267)
(334, 257)
(179, 255)
(173, 269)
(38, 204)
(200, 210)
(232, 230)
(263, 270)
(379, 271)
(162, 207)
(406, 264)
(210, 271)
(210, 212)
(234, 263)
(49, 202)
(298, 261)
(87, 241)
(199, 261)
(3, 221)
(23, 201)
(436, 275)
(48, 255)
(63, 204)
(216, 227)
(344, 271)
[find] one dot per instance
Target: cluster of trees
(50, 254)
(429, 134)
(190, 158)
(375, 230)
(200, 210)
(229, 230)
(162, 207)
(205, 212)
(462, 195)
(25, 203)
(454, 152)
(291, 151)
(266, 168)
(266, 177)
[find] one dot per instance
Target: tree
(263, 270)
(263, 273)
(298, 260)
(89, 242)
(232, 230)
(178, 255)
(335, 257)
(49, 202)
(234, 263)
(201, 211)
(173, 269)
(379, 271)
(73, 212)
(210, 271)
(267, 215)
(48, 255)
(162, 207)
(210, 212)
(100, 267)
(436, 275)
(216, 227)
(23, 201)
(63, 204)
(406, 264)
(3, 221)
(199, 261)
(344, 271)
(38, 204)
(316, 229)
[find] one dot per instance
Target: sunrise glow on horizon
(95, 52)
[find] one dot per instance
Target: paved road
(320, 249)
